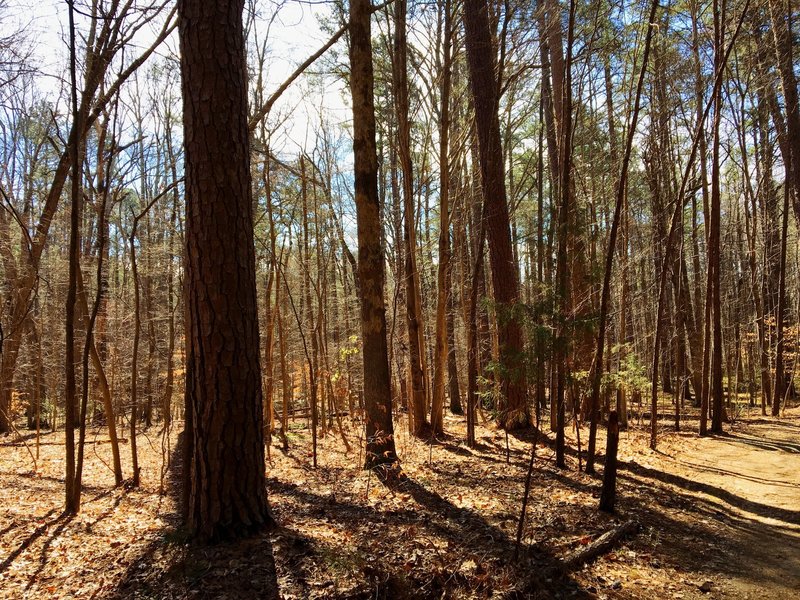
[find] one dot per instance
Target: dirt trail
(747, 484)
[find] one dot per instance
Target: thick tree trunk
(485, 92)
(225, 475)
(377, 378)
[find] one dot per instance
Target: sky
(294, 34)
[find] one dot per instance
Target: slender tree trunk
(313, 373)
(714, 242)
(70, 395)
(779, 325)
(137, 328)
(621, 192)
(442, 276)
(414, 318)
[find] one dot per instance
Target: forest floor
(718, 517)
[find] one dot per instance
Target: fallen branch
(600, 546)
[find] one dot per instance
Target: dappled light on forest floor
(716, 516)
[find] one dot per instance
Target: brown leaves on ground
(446, 529)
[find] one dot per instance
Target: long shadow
(60, 480)
(762, 510)
(482, 452)
(174, 566)
(729, 473)
(35, 535)
(63, 521)
(687, 539)
(706, 520)
(764, 444)
(468, 533)
(778, 424)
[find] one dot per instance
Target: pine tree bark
(485, 93)
(225, 474)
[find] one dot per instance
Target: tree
(224, 469)
(377, 378)
(485, 93)
(621, 192)
(414, 317)
(443, 294)
(118, 23)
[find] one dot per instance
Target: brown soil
(719, 518)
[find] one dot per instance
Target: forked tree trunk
(485, 93)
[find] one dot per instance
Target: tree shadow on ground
(765, 444)
(690, 525)
(48, 520)
(751, 506)
(175, 567)
(405, 564)
(701, 533)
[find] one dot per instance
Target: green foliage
(632, 373)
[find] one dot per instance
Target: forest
(400, 299)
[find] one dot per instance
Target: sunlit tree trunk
(485, 94)
(377, 378)
(440, 369)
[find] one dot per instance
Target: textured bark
(608, 494)
(441, 353)
(377, 377)
(714, 243)
(414, 318)
(225, 474)
(781, 17)
(72, 500)
(485, 92)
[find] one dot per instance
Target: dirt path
(746, 487)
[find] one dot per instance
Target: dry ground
(719, 518)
